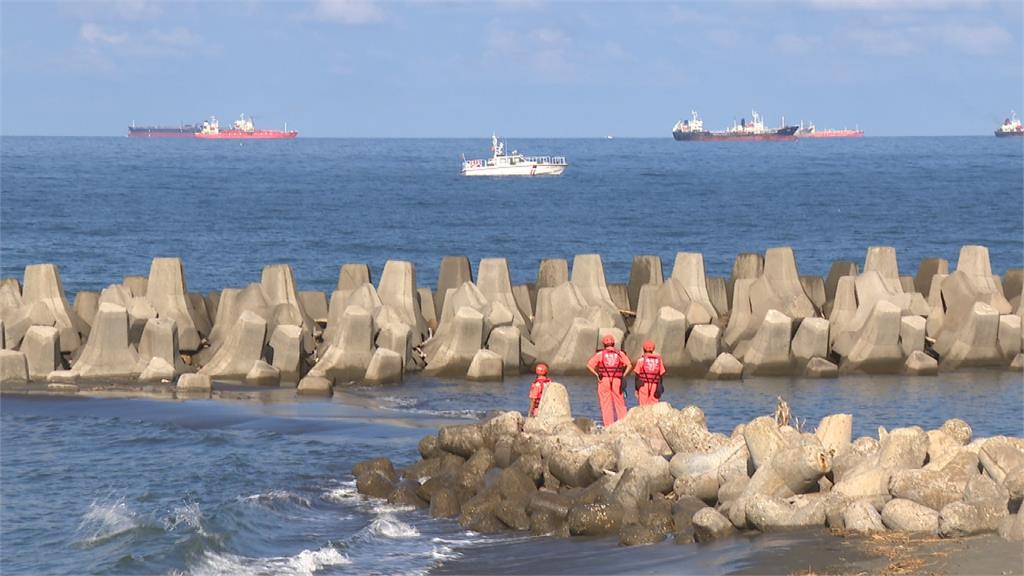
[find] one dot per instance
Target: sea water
(136, 486)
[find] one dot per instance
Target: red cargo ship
(810, 131)
(241, 129)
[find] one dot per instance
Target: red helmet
(608, 340)
(648, 346)
(541, 369)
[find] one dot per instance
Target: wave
(304, 563)
(103, 521)
(388, 526)
(188, 514)
(345, 492)
(277, 496)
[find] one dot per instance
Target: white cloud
(795, 44)
(347, 11)
(978, 40)
(92, 33)
(545, 50)
(180, 38)
(887, 42)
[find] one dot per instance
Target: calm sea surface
(132, 486)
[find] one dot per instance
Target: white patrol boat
(513, 164)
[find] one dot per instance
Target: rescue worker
(649, 370)
(537, 388)
(610, 366)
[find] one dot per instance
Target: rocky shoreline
(765, 319)
(659, 473)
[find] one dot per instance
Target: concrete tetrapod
(167, 292)
(349, 354)
(41, 347)
(13, 369)
(240, 351)
(287, 354)
(588, 277)
(876, 348)
(457, 343)
(486, 366)
(278, 284)
(385, 367)
(769, 351)
(974, 343)
(781, 273)
(689, 270)
(747, 265)
(646, 270)
(86, 305)
(494, 283)
(43, 285)
(397, 291)
(455, 271)
(108, 354)
(353, 275)
(160, 340)
(927, 270)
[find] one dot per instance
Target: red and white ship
(810, 131)
(241, 129)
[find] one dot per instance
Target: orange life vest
(611, 365)
(649, 369)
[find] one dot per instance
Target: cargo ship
(810, 131)
(181, 131)
(742, 131)
(242, 129)
(1010, 127)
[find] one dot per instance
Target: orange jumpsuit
(536, 391)
(649, 370)
(610, 364)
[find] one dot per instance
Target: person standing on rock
(610, 365)
(649, 370)
(537, 388)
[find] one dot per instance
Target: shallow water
(130, 486)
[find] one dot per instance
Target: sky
(526, 68)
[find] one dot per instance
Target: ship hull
(516, 170)
(161, 133)
(1001, 134)
(832, 134)
(780, 136)
(244, 135)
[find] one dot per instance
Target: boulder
(908, 516)
(598, 519)
(463, 439)
(768, 513)
(1012, 528)
(709, 525)
(931, 488)
(639, 535)
(903, 448)
(861, 516)
(835, 432)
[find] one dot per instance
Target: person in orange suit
(649, 370)
(537, 388)
(610, 365)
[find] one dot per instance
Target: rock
(638, 535)
(157, 370)
(930, 488)
(461, 439)
(598, 519)
(554, 411)
(558, 505)
(571, 466)
(800, 467)
(763, 440)
(709, 525)
(958, 430)
(263, 374)
(445, 504)
(920, 364)
(865, 482)
(108, 354)
(314, 386)
(404, 494)
(767, 513)
(41, 346)
(13, 369)
(908, 516)
(861, 516)
(486, 366)
(1012, 528)
(1000, 456)
(725, 367)
(385, 367)
(382, 465)
(194, 383)
(835, 432)
(374, 484)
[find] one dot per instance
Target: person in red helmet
(610, 365)
(649, 370)
(537, 388)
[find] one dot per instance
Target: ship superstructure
(741, 131)
(1010, 127)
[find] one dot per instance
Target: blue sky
(424, 68)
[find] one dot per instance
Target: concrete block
(814, 287)
(108, 353)
(820, 368)
(688, 269)
(427, 306)
(907, 516)
(912, 332)
(811, 340)
(769, 351)
(927, 270)
(974, 343)
(838, 270)
(875, 348)
(43, 285)
(240, 351)
(920, 364)
(314, 302)
(13, 369)
(353, 275)
(397, 291)
(552, 272)
(457, 342)
(41, 347)
(1009, 335)
(194, 384)
(86, 305)
(718, 292)
(454, 272)
(286, 353)
(747, 265)
(646, 270)
(486, 366)
(167, 292)
(506, 342)
(157, 370)
(314, 386)
(725, 367)
(703, 347)
(348, 356)
(385, 367)
(263, 374)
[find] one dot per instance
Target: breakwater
(764, 319)
(660, 472)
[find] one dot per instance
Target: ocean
(263, 486)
